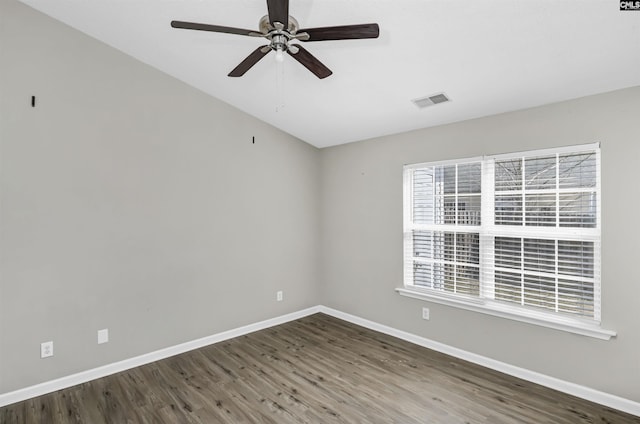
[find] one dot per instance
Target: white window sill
(504, 311)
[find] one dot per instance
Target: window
(515, 233)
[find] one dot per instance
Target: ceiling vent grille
(430, 100)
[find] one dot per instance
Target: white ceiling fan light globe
(279, 55)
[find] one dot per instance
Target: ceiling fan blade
(214, 28)
(310, 62)
(344, 32)
(251, 60)
(278, 11)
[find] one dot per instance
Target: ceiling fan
(280, 28)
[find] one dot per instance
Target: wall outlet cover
(103, 336)
(46, 349)
(425, 313)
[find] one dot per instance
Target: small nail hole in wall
(33, 101)
(253, 140)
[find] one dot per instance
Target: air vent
(430, 100)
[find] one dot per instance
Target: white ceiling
(488, 56)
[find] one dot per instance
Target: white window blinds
(519, 229)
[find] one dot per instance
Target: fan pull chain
(279, 86)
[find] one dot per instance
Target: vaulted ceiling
(487, 56)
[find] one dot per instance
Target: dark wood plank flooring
(314, 370)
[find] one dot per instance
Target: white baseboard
(583, 392)
(103, 371)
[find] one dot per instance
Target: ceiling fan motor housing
(277, 34)
(265, 26)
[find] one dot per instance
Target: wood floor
(314, 370)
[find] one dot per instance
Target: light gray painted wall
(134, 202)
(361, 237)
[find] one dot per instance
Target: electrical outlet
(425, 313)
(279, 296)
(103, 336)
(46, 349)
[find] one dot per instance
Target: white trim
(147, 358)
(576, 148)
(522, 315)
(445, 162)
(574, 389)
(583, 392)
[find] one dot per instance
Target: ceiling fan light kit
(281, 29)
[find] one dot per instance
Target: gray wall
(134, 202)
(361, 237)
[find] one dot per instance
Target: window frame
(489, 229)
